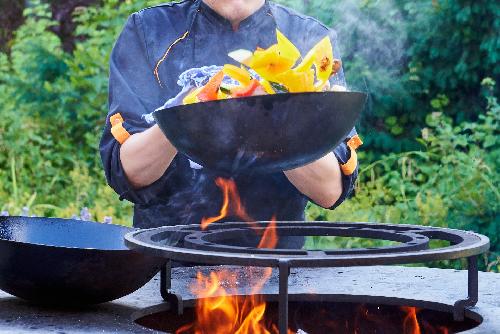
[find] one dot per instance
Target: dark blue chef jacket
(183, 195)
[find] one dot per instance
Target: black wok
(265, 134)
(62, 261)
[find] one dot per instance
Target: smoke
(372, 38)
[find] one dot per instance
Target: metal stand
(472, 290)
(284, 272)
(173, 299)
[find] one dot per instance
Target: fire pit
(221, 243)
(367, 283)
(330, 317)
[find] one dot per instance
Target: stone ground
(436, 285)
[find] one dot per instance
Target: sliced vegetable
(337, 65)
(268, 88)
(225, 90)
(269, 62)
(222, 95)
(277, 71)
(237, 73)
(321, 55)
(279, 88)
(192, 97)
(286, 48)
(272, 61)
(247, 90)
(296, 81)
(241, 55)
(210, 90)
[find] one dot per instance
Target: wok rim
(258, 97)
(87, 249)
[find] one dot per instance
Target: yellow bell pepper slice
(222, 96)
(276, 59)
(239, 74)
(192, 97)
(269, 63)
(267, 86)
(321, 55)
(286, 48)
(296, 81)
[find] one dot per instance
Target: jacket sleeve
(133, 92)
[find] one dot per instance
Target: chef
(157, 46)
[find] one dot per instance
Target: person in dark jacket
(156, 46)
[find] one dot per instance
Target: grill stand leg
(170, 297)
(284, 272)
(472, 293)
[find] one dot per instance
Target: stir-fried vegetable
(274, 71)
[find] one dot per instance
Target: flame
(218, 311)
(231, 203)
(444, 330)
(410, 324)
(269, 237)
(226, 187)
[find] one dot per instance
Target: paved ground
(437, 285)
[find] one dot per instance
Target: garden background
(431, 130)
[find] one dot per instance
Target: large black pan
(60, 261)
(266, 133)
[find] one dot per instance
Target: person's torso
(192, 193)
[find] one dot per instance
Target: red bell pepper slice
(209, 91)
(246, 90)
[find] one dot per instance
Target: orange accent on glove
(350, 166)
(117, 129)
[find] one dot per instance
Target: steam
(370, 31)
(371, 37)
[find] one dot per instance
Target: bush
(53, 106)
(452, 183)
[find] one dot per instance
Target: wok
(62, 261)
(265, 134)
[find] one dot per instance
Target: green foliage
(453, 183)
(421, 61)
(53, 106)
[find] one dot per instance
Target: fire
(217, 311)
(444, 330)
(220, 312)
(231, 203)
(269, 237)
(410, 324)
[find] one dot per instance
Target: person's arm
(324, 181)
(320, 180)
(139, 166)
(145, 157)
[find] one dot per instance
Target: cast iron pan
(62, 261)
(265, 134)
